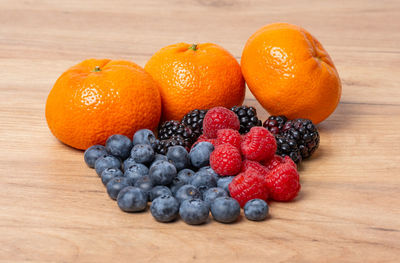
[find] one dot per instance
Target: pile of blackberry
(184, 133)
(247, 117)
(298, 138)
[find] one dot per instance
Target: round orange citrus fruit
(290, 73)
(98, 98)
(198, 76)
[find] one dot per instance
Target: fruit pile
(217, 160)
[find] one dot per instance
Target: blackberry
(275, 123)
(163, 145)
(194, 120)
(305, 133)
(287, 147)
(175, 128)
(247, 117)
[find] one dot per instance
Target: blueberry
(210, 171)
(256, 210)
(145, 184)
(132, 199)
(225, 209)
(133, 175)
(160, 157)
(224, 182)
(159, 190)
(106, 161)
(164, 208)
(185, 175)
(187, 192)
(93, 153)
(203, 180)
(213, 193)
(142, 153)
(176, 184)
(178, 156)
(110, 173)
(137, 168)
(128, 163)
(162, 173)
(115, 185)
(119, 145)
(144, 136)
(194, 211)
(200, 154)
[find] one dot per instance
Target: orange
(98, 98)
(198, 76)
(290, 73)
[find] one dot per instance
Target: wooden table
(53, 208)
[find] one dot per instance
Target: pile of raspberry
(258, 172)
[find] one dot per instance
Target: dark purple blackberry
(163, 145)
(247, 117)
(305, 133)
(175, 128)
(287, 147)
(194, 121)
(275, 123)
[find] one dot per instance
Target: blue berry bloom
(93, 153)
(165, 208)
(132, 199)
(145, 184)
(225, 209)
(115, 185)
(224, 182)
(162, 173)
(194, 211)
(210, 171)
(119, 146)
(256, 210)
(142, 153)
(187, 192)
(200, 154)
(178, 156)
(106, 161)
(185, 175)
(175, 185)
(144, 136)
(110, 173)
(160, 157)
(137, 168)
(159, 190)
(213, 193)
(203, 181)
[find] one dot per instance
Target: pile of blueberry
(180, 183)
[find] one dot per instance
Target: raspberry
(229, 136)
(273, 162)
(226, 160)
(283, 181)
(219, 118)
(258, 144)
(248, 185)
(247, 164)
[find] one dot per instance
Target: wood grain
(53, 208)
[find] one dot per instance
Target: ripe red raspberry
(258, 144)
(276, 160)
(283, 181)
(229, 136)
(226, 160)
(247, 164)
(219, 118)
(248, 185)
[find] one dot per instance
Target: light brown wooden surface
(53, 208)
